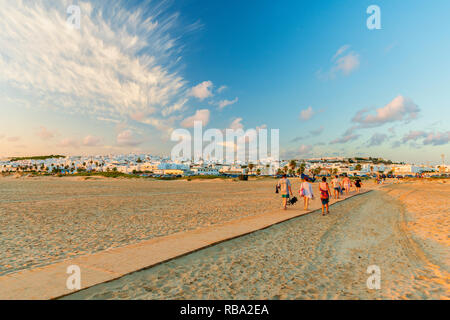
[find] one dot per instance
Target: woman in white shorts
(306, 192)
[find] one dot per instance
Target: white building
(406, 169)
(205, 171)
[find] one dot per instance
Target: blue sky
(128, 77)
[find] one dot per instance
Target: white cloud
(413, 136)
(45, 134)
(163, 125)
(221, 89)
(377, 139)
(91, 141)
(236, 124)
(312, 133)
(263, 126)
(399, 109)
(302, 151)
(117, 64)
(347, 64)
(306, 114)
(437, 139)
(340, 51)
(178, 106)
(345, 138)
(109, 120)
(138, 116)
(428, 138)
(68, 143)
(297, 139)
(392, 131)
(128, 138)
(225, 103)
(343, 62)
(305, 149)
(202, 90)
(200, 115)
(317, 132)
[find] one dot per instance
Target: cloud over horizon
(225, 103)
(200, 115)
(236, 124)
(437, 138)
(202, 90)
(91, 141)
(399, 109)
(413, 136)
(128, 138)
(377, 139)
(346, 138)
(68, 143)
(299, 152)
(116, 65)
(45, 134)
(307, 114)
(344, 62)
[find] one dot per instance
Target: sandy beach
(314, 257)
(402, 228)
(44, 220)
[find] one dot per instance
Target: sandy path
(310, 257)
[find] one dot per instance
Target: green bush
(112, 174)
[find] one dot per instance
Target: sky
(134, 71)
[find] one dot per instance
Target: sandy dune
(314, 257)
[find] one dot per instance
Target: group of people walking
(306, 192)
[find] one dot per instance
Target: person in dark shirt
(358, 185)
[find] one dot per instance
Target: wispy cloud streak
(116, 65)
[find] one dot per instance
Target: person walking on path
(306, 192)
(346, 183)
(358, 185)
(285, 189)
(325, 193)
(336, 183)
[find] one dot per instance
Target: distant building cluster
(130, 164)
(145, 164)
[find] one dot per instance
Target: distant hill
(37, 157)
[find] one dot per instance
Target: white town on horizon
(159, 166)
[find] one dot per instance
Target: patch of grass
(112, 174)
(360, 178)
(205, 177)
(444, 177)
(37, 157)
(190, 178)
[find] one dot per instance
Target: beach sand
(402, 228)
(45, 219)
